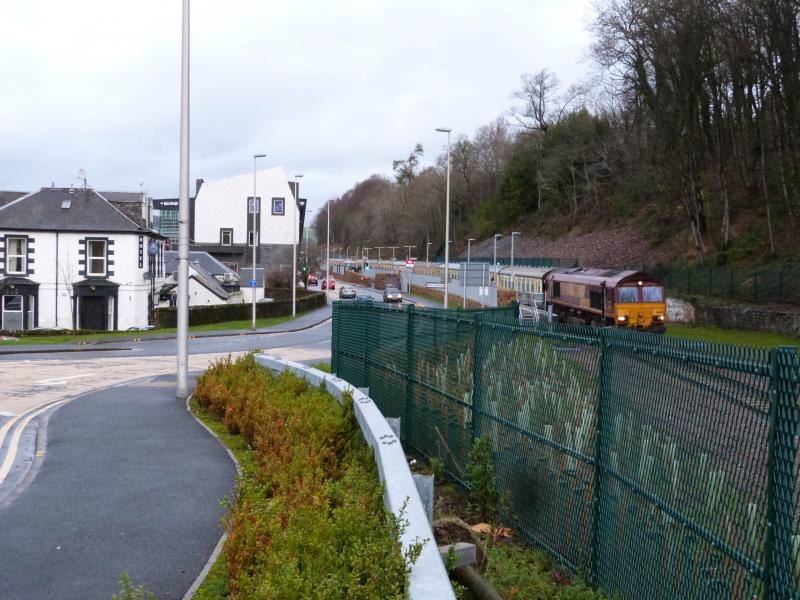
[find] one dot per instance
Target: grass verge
(731, 336)
(322, 366)
(65, 339)
(308, 519)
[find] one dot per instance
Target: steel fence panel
(659, 467)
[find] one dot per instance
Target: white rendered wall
(223, 204)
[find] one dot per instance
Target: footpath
(127, 481)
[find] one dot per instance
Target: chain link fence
(658, 467)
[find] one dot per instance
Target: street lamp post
(308, 230)
(294, 243)
(427, 253)
(256, 210)
(379, 252)
(447, 218)
(408, 257)
(497, 236)
(393, 249)
(513, 235)
(469, 243)
(328, 250)
(182, 351)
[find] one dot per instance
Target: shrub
(310, 521)
(481, 473)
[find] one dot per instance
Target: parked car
(347, 293)
(392, 294)
(331, 283)
(313, 280)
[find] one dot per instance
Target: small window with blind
(96, 258)
(16, 255)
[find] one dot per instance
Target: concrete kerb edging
(428, 578)
(201, 577)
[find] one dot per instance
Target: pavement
(127, 481)
(102, 470)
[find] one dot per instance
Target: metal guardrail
(428, 578)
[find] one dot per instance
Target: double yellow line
(22, 421)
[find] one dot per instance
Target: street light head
(259, 155)
(515, 233)
(497, 236)
(444, 129)
(471, 240)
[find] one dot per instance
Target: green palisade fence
(659, 467)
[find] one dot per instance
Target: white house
(210, 281)
(69, 258)
(226, 219)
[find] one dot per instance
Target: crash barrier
(658, 467)
(428, 578)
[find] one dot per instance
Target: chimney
(197, 185)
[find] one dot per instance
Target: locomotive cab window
(627, 294)
(596, 300)
(653, 293)
(556, 289)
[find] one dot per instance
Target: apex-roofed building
(226, 217)
(70, 258)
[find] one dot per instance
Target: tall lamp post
(469, 243)
(294, 243)
(256, 211)
(182, 370)
(427, 253)
(328, 250)
(497, 236)
(308, 230)
(513, 235)
(408, 257)
(393, 249)
(447, 218)
(379, 252)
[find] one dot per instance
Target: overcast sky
(334, 90)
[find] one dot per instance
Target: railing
(659, 467)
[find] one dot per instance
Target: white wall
(223, 204)
(56, 279)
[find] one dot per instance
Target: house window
(96, 258)
(253, 206)
(278, 206)
(249, 238)
(16, 251)
(226, 237)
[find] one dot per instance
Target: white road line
(62, 379)
(11, 455)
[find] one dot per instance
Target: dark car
(363, 298)
(347, 293)
(392, 294)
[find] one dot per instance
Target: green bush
(309, 522)
(220, 313)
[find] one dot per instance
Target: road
(102, 470)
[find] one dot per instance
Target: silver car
(347, 293)
(392, 294)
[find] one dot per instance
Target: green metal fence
(659, 467)
(776, 285)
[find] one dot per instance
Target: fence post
(782, 451)
(477, 375)
(604, 372)
(408, 424)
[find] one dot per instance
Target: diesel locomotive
(607, 297)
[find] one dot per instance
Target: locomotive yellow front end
(641, 304)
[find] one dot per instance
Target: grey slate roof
(123, 196)
(41, 211)
(8, 196)
(204, 259)
(202, 276)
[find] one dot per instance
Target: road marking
(6, 414)
(62, 379)
(9, 424)
(11, 454)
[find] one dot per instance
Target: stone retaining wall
(775, 319)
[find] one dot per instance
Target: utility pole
(328, 250)
(447, 219)
(295, 209)
(497, 236)
(182, 375)
(256, 211)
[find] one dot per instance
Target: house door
(12, 313)
(93, 313)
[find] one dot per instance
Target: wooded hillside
(689, 133)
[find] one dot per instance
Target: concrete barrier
(428, 578)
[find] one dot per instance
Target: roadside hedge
(219, 313)
(309, 520)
